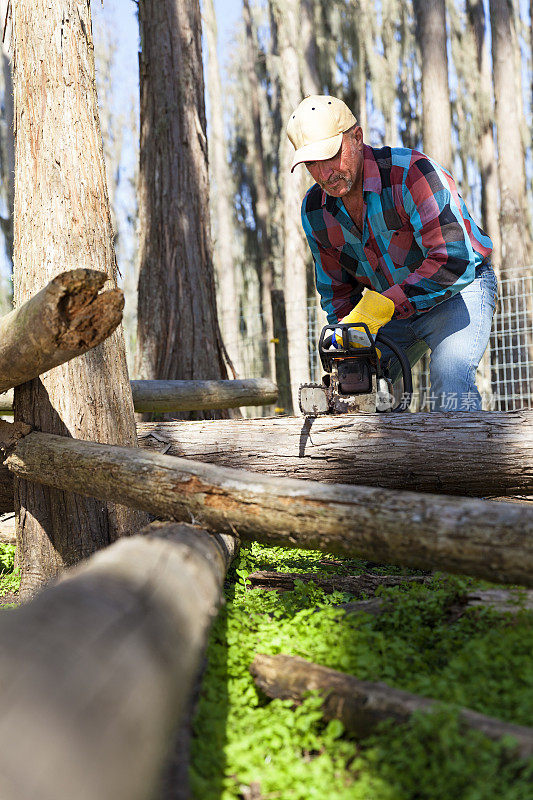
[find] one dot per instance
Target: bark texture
(165, 396)
(294, 253)
(358, 585)
(515, 336)
(62, 221)
(169, 396)
(178, 335)
(513, 214)
(262, 209)
(470, 453)
(65, 319)
(361, 705)
(487, 155)
(431, 38)
(125, 632)
(228, 299)
(488, 539)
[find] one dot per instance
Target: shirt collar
(371, 175)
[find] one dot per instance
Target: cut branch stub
(65, 319)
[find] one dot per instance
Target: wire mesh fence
(505, 374)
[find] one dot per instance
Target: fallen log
(95, 671)
(361, 705)
(500, 600)
(471, 453)
(168, 396)
(358, 585)
(464, 535)
(65, 319)
(342, 454)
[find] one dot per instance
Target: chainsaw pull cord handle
(406, 371)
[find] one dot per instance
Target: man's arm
(339, 293)
(433, 206)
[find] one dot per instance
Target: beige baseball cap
(315, 128)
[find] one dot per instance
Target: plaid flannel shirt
(419, 245)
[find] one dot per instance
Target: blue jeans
(456, 333)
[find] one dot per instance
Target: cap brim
(317, 151)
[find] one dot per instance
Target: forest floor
(248, 746)
(424, 640)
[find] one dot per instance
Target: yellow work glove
(374, 309)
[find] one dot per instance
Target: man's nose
(325, 170)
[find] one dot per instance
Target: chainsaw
(355, 379)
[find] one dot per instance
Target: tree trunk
(178, 335)
(294, 260)
(389, 71)
(513, 214)
(311, 82)
(224, 257)
(431, 38)
(7, 140)
(262, 205)
(65, 319)
(125, 633)
(471, 453)
(474, 537)
(361, 705)
(513, 332)
(62, 221)
(487, 156)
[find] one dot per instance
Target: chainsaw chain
(311, 386)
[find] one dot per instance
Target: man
(391, 220)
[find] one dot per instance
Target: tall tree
(228, 301)
(294, 249)
(262, 199)
(485, 129)
(514, 220)
(7, 140)
(178, 333)
(431, 36)
(62, 221)
(513, 207)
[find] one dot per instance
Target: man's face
(338, 175)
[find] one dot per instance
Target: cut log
(167, 396)
(465, 535)
(471, 453)
(95, 672)
(65, 319)
(500, 600)
(358, 585)
(361, 705)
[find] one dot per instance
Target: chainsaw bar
(313, 399)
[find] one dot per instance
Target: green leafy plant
(480, 659)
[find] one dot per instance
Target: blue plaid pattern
(419, 245)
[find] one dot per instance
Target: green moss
(481, 659)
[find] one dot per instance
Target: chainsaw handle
(406, 371)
